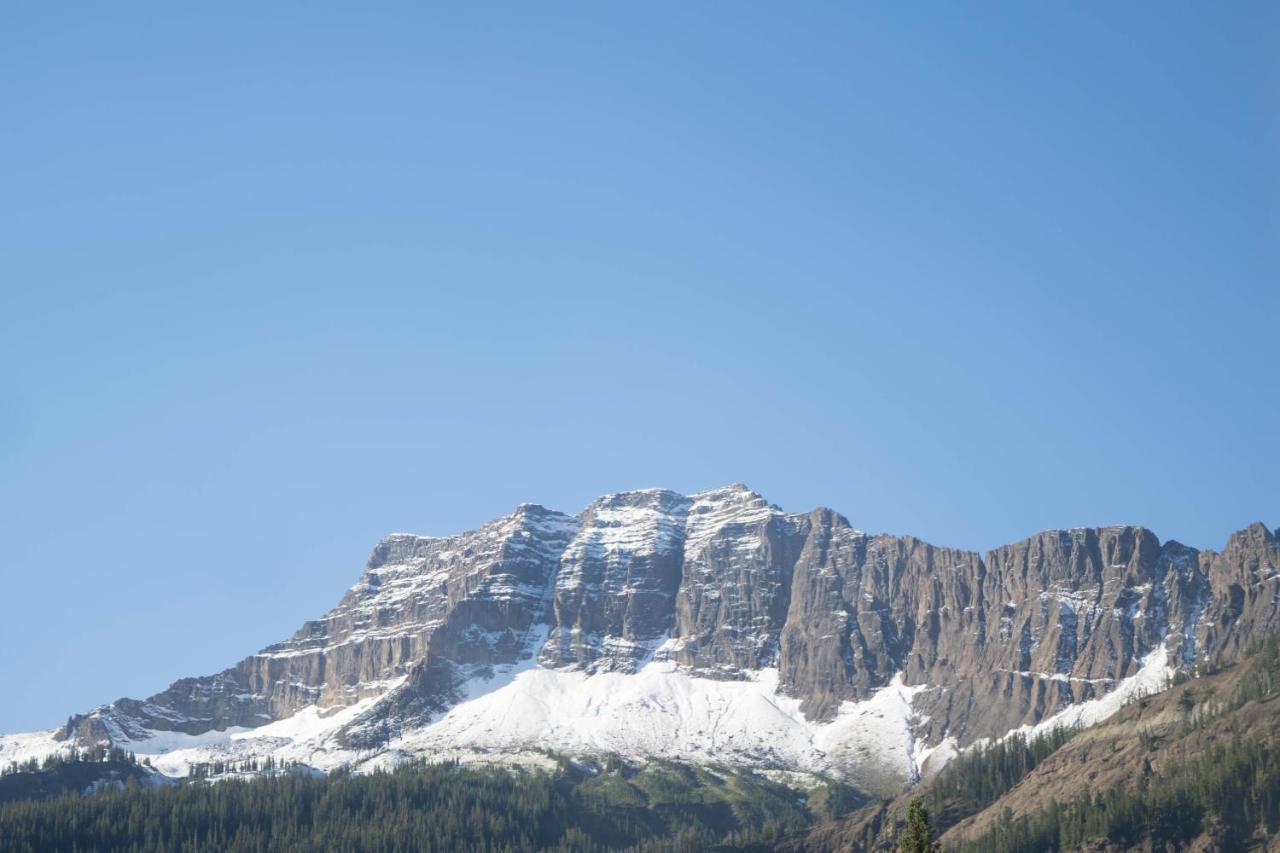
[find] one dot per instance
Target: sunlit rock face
(722, 586)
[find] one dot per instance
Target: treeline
(99, 754)
(220, 768)
(445, 807)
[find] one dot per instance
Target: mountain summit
(711, 627)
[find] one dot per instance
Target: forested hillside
(446, 807)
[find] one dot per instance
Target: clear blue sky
(275, 284)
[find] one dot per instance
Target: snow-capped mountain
(713, 627)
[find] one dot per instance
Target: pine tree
(918, 836)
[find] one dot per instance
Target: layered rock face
(468, 599)
(1053, 620)
(616, 582)
(1245, 594)
(724, 585)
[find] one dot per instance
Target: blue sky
(274, 284)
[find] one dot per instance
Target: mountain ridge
(812, 618)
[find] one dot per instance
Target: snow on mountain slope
(308, 737)
(1154, 674)
(666, 712)
(659, 711)
(21, 747)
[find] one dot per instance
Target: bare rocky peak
(724, 585)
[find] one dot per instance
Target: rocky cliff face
(422, 602)
(1053, 620)
(725, 586)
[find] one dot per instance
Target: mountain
(713, 627)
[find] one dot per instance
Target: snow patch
(27, 745)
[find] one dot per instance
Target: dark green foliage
(73, 770)
(969, 783)
(917, 837)
(1228, 793)
(662, 807)
(982, 775)
(89, 755)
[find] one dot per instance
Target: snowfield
(664, 712)
(660, 711)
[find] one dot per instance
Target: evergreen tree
(918, 836)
